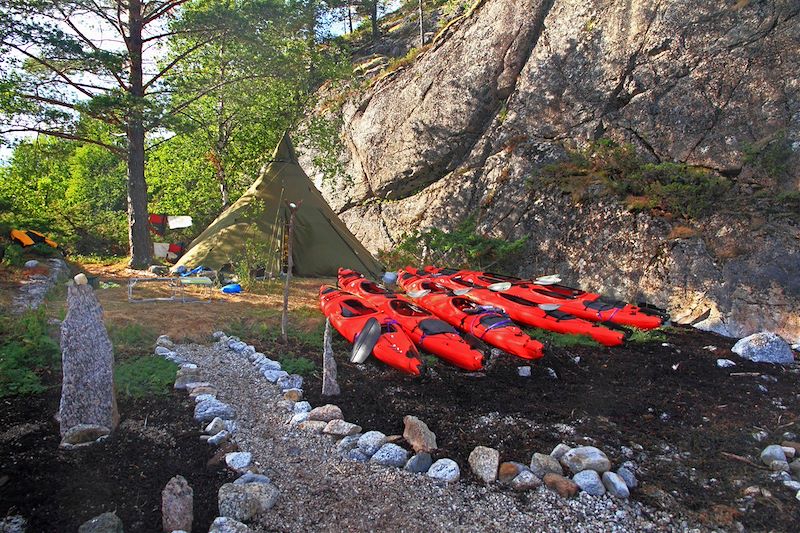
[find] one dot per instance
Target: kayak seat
(553, 294)
(492, 320)
(434, 326)
(601, 304)
(351, 308)
(328, 290)
(559, 315)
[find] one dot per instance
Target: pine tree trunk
(141, 248)
(373, 15)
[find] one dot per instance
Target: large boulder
(764, 347)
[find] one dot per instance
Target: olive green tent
(321, 243)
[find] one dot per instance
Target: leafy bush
(641, 336)
(144, 376)
(462, 247)
(26, 349)
(297, 365)
(14, 255)
(771, 156)
(606, 167)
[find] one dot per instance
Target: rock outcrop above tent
(504, 90)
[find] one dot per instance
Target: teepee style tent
(321, 243)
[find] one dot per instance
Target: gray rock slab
(298, 418)
(589, 481)
(484, 462)
(290, 381)
(390, 455)
(340, 428)
(274, 375)
(104, 523)
(223, 524)
(559, 451)
(326, 413)
(348, 443)
(208, 410)
(370, 442)
(419, 463)
(251, 477)
(526, 480)
(243, 502)
(542, 464)
(238, 461)
(357, 455)
(445, 470)
(628, 477)
(302, 407)
(764, 347)
(615, 485)
(585, 458)
(774, 452)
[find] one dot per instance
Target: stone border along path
(347, 486)
(33, 290)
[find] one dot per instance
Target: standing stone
(177, 505)
(330, 387)
(87, 361)
(484, 462)
(418, 435)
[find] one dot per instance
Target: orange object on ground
(349, 314)
(427, 331)
(29, 238)
(490, 325)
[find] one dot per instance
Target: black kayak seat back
(406, 308)
(492, 319)
(448, 271)
(463, 282)
(328, 290)
(559, 315)
(602, 304)
(553, 294)
(518, 300)
(434, 326)
(502, 277)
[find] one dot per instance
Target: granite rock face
(510, 86)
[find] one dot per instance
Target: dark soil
(58, 490)
(671, 404)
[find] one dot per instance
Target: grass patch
(644, 336)
(132, 339)
(560, 340)
(26, 350)
(144, 376)
(297, 365)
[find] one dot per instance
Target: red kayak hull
(491, 327)
(427, 331)
(348, 315)
(579, 303)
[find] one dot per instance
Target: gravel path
(320, 491)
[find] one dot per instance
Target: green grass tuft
(297, 365)
(132, 340)
(643, 336)
(144, 376)
(560, 340)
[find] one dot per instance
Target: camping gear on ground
(29, 237)
(321, 242)
(158, 224)
(529, 313)
(179, 221)
(487, 324)
(427, 331)
(160, 249)
(232, 288)
(179, 289)
(349, 315)
(582, 304)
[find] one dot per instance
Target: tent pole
(285, 315)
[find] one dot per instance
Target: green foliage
(644, 336)
(132, 339)
(26, 349)
(561, 340)
(323, 135)
(771, 156)
(461, 247)
(605, 167)
(454, 8)
(144, 376)
(297, 365)
(14, 255)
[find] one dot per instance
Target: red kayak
(487, 324)
(349, 314)
(582, 304)
(427, 331)
(530, 313)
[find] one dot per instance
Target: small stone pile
(33, 290)
(784, 460)
(589, 466)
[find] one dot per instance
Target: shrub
(144, 376)
(462, 247)
(26, 349)
(297, 365)
(14, 255)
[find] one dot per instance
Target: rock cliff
(512, 85)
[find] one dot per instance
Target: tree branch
(174, 61)
(162, 10)
(52, 68)
(66, 135)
